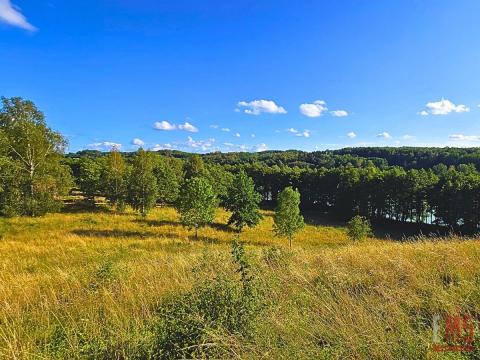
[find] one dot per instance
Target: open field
(89, 285)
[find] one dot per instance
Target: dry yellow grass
(69, 282)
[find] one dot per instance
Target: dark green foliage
(168, 172)
(243, 201)
(288, 220)
(190, 324)
(194, 167)
(142, 184)
(32, 177)
(358, 228)
(90, 171)
(114, 179)
(196, 204)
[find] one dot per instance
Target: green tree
(358, 228)
(194, 167)
(168, 179)
(142, 186)
(196, 204)
(32, 153)
(288, 220)
(89, 178)
(243, 201)
(114, 179)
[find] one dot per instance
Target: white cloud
(339, 113)
(138, 142)
(237, 134)
(214, 126)
(261, 147)
(304, 133)
(443, 107)
(188, 127)
(408, 137)
(200, 144)
(11, 15)
(256, 107)
(315, 109)
(104, 145)
(351, 135)
(292, 130)
(461, 137)
(253, 136)
(158, 147)
(228, 144)
(164, 125)
(226, 129)
(384, 135)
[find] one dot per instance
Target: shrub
(359, 228)
(190, 324)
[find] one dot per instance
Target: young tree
(194, 167)
(89, 178)
(196, 204)
(168, 176)
(243, 201)
(358, 228)
(114, 179)
(35, 152)
(142, 187)
(287, 219)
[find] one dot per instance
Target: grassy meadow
(90, 285)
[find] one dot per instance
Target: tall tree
(90, 173)
(243, 201)
(114, 179)
(142, 186)
(168, 179)
(35, 152)
(288, 220)
(194, 167)
(196, 204)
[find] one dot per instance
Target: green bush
(359, 228)
(190, 324)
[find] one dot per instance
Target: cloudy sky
(247, 75)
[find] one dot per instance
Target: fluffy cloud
(257, 107)
(203, 145)
(304, 133)
(384, 135)
(292, 130)
(159, 147)
(315, 109)
(164, 125)
(104, 145)
(261, 147)
(351, 135)
(237, 134)
(443, 107)
(138, 142)
(11, 15)
(339, 113)
(188, 127)
(461, 137)
(225, 129)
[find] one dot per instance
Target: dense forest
(416, 185)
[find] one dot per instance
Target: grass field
(89, 285)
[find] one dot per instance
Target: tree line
(35, 174)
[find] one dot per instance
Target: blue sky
(276, 74)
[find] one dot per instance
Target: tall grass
(90, 285)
